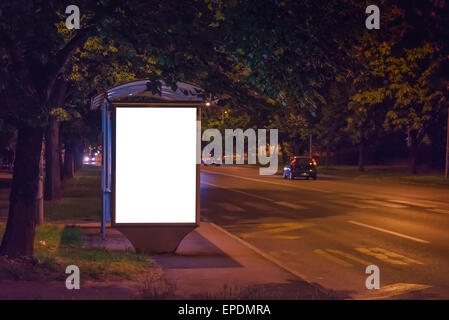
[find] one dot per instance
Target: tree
(30, 65)
(52, 184)
(283, 46)
(417, 93)
(332, 116)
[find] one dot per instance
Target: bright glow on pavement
(155, 165)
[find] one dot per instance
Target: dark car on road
(300, 167)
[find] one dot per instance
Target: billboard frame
(169, 104)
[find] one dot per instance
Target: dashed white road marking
(289, 185)
(386, 204)
(391, 290)
(282, 227)
(413, 203)
(424, 203)
(280, 203)
(258, 206)
(230, 207)
(354, 204)
(290, 205)
(439, 211)
(239, 191)
(287, 237)
(397, 256)
(389, 232)
(358, 196)
(278, 230)
(388, 256)
(350, 256)
(332, 258)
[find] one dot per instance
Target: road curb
(270, 258)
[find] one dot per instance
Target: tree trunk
(18, 239)
(61, 165)
(52, 143)
(52, 169)
(68, 162)
(78, 156)
(412, 161)
(328, 154)
(412, 153)
(413, 142)
(361, 161)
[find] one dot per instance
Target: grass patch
(56, 247)
(287, 291)
(81, 199)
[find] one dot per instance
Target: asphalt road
(328, 231)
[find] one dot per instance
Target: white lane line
(284, 184)
(385, 204)
(350, 256)
(332, 258)
(423, 203)
(381, 256)
(290, 205)
(439, 211)
(391, 290)
(354, 204)
(357, 196)
(412, 203)
(296, 186)
(280, 203)
(258, 205)
(395, 255)
(230, 207)
(239, 191)
(388, 231)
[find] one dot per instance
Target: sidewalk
(212, 264)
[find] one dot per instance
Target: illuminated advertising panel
(155, 165)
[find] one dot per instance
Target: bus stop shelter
(151, 158)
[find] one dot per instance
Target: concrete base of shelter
(155, 239)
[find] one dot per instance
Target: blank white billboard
(155, 173)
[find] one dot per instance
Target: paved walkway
(209, 264)
(212, 264)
